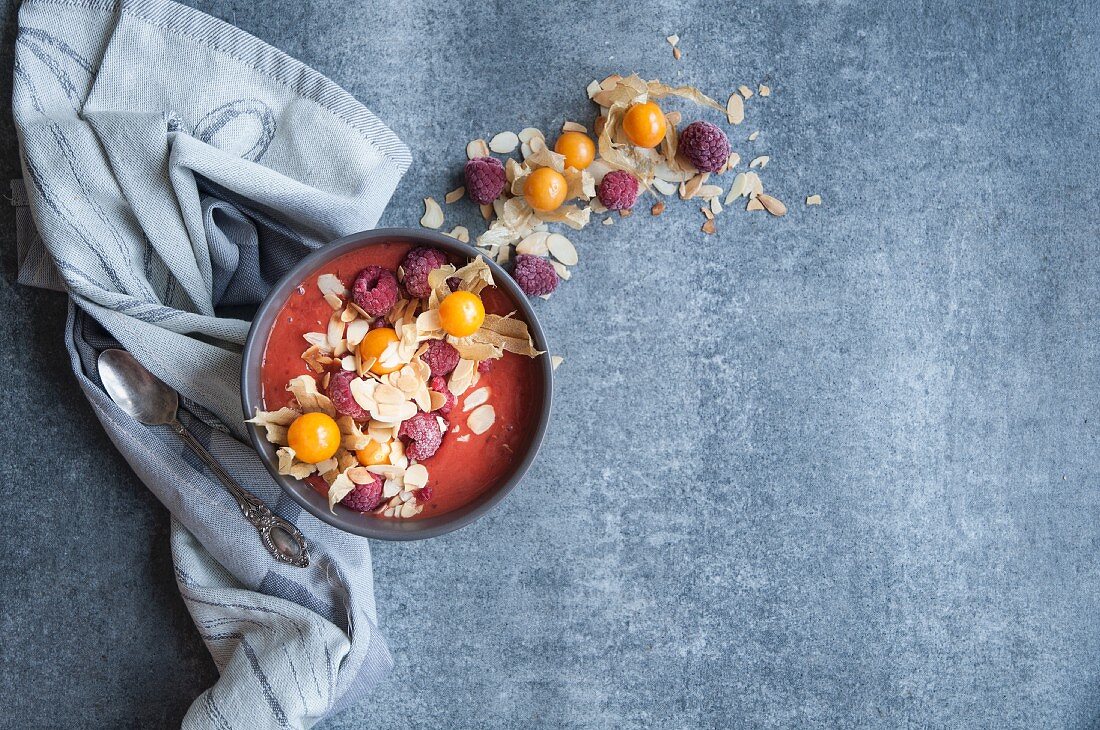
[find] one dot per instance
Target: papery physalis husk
(289, 465)
(341, 487)
(580, 184)
(572, 216)
(275, 423)
(304, 389)
(472, 348)
(507, 333)
(353, 437)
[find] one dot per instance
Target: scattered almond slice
(754, 204)
(708, 227)
(433, 214)
(475, 399)
(561, 269)
(764, 90)
(673, 40)
(562, 249)
(504, 143)
(813, 200)
(735, 109)
(574, 127)
(460, 233)
(608, 221)
(454, 195)
(555, 361)
(477, 148)
(677, 53)
(761, 161)
(658, 208)
(733, 161)
(754, 135)
(772, 205)
(745, 91)
(482, 419)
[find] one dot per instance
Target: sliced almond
(454, 195)
(764, 90)
(534, 245)
(665, 187)
(673, 39)
(475, 399)
(433, 214)
(477, 148)
(745, 91)
(754, 135)
(772, 205)
(754, 204)
(529, 133)
(334, 301)
(555, 361)
(735, 109)
(462, 233)
(573, 127)
(329, 284)
(761, 161)
(482, 419)
(813, 200)
(504, 143)
(658, 208)
(708, 227)
(416, 476)
(562, 249)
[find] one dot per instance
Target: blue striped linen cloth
(173, 164)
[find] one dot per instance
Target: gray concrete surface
(834, 470)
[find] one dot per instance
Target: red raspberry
(418, 263)
(441, 357)
(439, 385)
(485, 179)
(425, 494)
(364, 497)
(421, 435)
(484, 366)
(618, 190)
(339, 392)
(705, 145)
(534, 274)
(375, 290)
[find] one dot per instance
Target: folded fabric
(174, 165)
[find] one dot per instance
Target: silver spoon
(145, 397)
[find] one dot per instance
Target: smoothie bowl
(396, 384)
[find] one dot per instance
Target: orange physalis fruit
(545, 189)
(374, 453)
(644, 124)
(314, 437)
(462, 312)
(373, 344)
(578, 148)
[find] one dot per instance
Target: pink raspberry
(418, 263)
(618, 190)
(439, 384)
(364, 497)
(375, 290)
(485, 179)
(441, 357)
(425, 494)
(484, 366)
(421, 435)
(534, 274)
(705, 145)
(339, 392)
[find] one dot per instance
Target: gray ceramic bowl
(304, 494)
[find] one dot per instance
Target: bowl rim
(307, 497)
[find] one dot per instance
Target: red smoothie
(459, 472)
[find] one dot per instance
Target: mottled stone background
(837, 469)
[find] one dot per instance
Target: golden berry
(462, 313)
(644, 124)
(374, 343)
(578, 148)
(314, 437)
(374, 453)
(545, 189)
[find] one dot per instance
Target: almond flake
(772, 205)
(608, 221)
(733, 160)
(555, 361)
(764, 90)
(504, 143)
(416, 476)
(487, 211)
(707, 213)
(529, 133)
(334, 301)
(475, 399)
(477, 148)
(561, 269)
(573, 127)
(461, 233)
(754, 135)
(735, 109)
(534, 245)
(433, 214)
(562, 249)
(454, 195)
(813, 200)
(329, 284)
(658, 208)
(745, 91)
(673, 40)
(708, 227)
(761, 161)
(754, 204)
(482, 419)
(463, 438)
(665, 187)
(677, 53)
(715, 205)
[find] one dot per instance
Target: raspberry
(484, 179)
(425, 494)
(418, 263)
(364, 497)
(705, 145)
(378, 323)
(375, 290)
(441, 357)
(484, 366)
(618, 190)
(439, 384)
(339, 392)
(534, 274)
(422, 430)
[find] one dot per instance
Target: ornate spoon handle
(284, 541)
